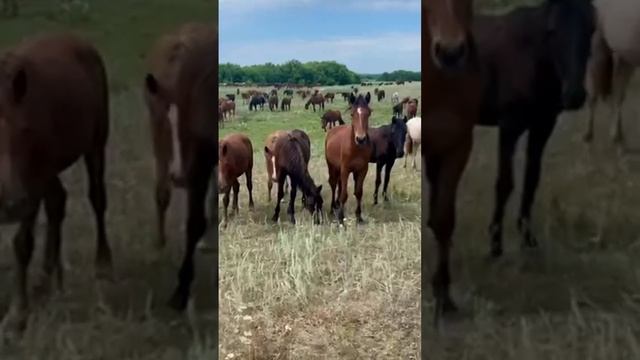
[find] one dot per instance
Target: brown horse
(330, 118)
(236, 158)
(329, 97)
(51, 117)
(269, 144)
(348, 150)
(195, 83)
(286, 104)
(316, 99)
(412, 108)
(451, 78)
(228, 109)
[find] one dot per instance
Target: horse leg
(343, 194)
(276, 213)
(225, 203)
(358, 178)
(98, 196)
(379, 166)
(292, 200)
(538, 137)
(333, 182)
(622, 76)
(54, 203)
(16, 318)
(197, 188)
(387, 177)
(249, 179)
(163, 199)
(508, 139)
(236, 191)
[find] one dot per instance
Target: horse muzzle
(449, 56)
(362, 140)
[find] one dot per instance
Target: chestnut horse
(235, 152)
(50, 116)
(195, 83)
(348, 151)
(270, 143)
(451, 105)
(315, 99)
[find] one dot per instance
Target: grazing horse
(526, 92)
(345, 95)
(452, 80)
(388, 145)
(286, 104)
(329, 97)
(193, 163)
(257, 100)
(381, 95)
(51, 117)
(290, 158)
(330, 118)
(268, 157)
(615, 55)
(236, 158)
(348, 150)
(412, 142)
(316, 99)
(273, 103)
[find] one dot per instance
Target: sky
(368, 36)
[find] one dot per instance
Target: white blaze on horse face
(175, 169)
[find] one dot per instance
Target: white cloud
(363, 54)
(239, 6)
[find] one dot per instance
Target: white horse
(395, 98)
(412, 142)
(615, 54)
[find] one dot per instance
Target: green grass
(317, 292)
(578, 295)
(126, 319)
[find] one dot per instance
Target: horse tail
(408, 145)
(601, 67)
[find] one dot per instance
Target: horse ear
(19, 86)
(368, 97)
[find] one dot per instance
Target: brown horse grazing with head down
(50, 117)
(452, 80)
(194, 147)
(348, 150)
(270, 143)
(316, 99)
(236, 158)
(330, 118)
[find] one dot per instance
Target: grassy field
(125, 319)
(317, 292)
(578, 295)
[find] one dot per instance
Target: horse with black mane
(257, 100)
(388, 145)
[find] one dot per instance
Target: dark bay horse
(330, 118)
(315, 99)
(381, 95)
(452, 87)
(257, 100)
(388, 145)
(286, 104)
(348, 151)
(527, 84)
(290, 158)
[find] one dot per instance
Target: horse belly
(620, 20)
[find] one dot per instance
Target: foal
(388, 142)
(236, 158)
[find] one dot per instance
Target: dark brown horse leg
(163, 199)
(292, 199)
(508, 139)
(98, 196)
(276, 213)
(196, 226)
(387, 177)
(269, 187)
(538, 138)
(225, 203)
(54, 204)
(359, 184)
(16, 318)
(343, 194)
(333, 183)
(250, 187)
(378, 182)
(236, 195)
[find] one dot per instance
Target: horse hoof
(361, 221)
(274, 219)
(530, 242)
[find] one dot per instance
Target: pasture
(316, 291)
(578, 295)
(126, 318)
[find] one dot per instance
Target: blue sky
(370, 36)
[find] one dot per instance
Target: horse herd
(349, 148)
(54, 110)
(516, 71)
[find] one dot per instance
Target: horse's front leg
(276, 213)
(359, 184)
(343, 195)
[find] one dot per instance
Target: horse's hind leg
(333, 182)
(250, 187)
(54, 203)
(163, 199)
(236, 193)
(225, 203)
(292, 200)
(508, 139)
(378, 181)
(280, 195)
(538, 137)
(97, 194)
(622, 77)
(387, 177)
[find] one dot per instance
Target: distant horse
(348, 151)
(287, 92)
(286, 104)
(316, 99)
(231, 97)
(452, 81)
(270, 143)
(330, 118)
(413, 139)
(395, 98)
(526, 92)
(388, 145)
(257, 100)
(381, 95)
(238, 91)
(228, 109)
(345, 95)
(245, 97)
(290, 158)
(273, 103)
(412, 108)
(235, 154)
(615, 54)
(329, 97)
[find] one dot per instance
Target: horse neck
(307, 185)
